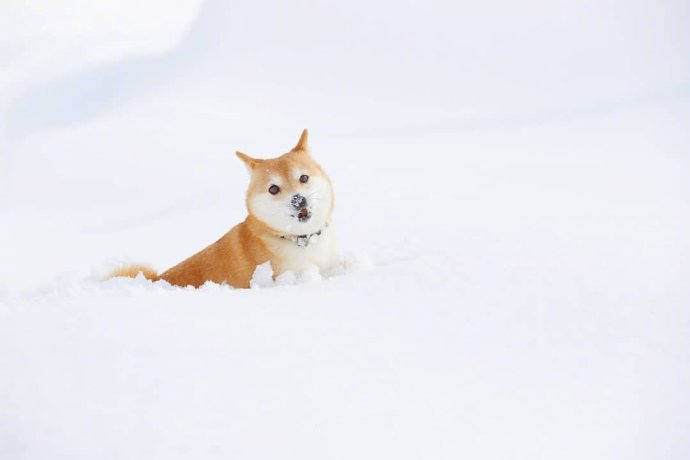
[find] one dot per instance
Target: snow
(512, 200)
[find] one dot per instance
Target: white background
(511, 177)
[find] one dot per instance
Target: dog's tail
(132, 271)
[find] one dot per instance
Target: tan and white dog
(290, 202)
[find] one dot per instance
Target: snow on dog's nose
(298, 202)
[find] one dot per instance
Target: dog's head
(290, 194)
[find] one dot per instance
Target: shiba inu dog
(290, 202)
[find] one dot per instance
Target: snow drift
(513, 180)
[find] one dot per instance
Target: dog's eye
(304, 178)
(273, 189)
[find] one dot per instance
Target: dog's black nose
(298, 202)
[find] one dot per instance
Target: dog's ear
(248, 161)
(303, 143)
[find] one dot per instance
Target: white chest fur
(320, 252)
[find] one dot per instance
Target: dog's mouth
(304, 215)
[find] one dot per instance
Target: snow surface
(512, 197)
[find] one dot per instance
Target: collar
(303, 241)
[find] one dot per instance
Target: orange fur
(132, 271)
(234, 257)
